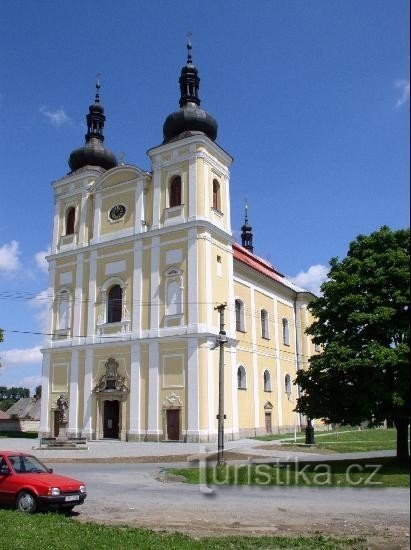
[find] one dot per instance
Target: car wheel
(26, 502)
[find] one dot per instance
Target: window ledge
(217, 212)
(242, 389)
(265, 337)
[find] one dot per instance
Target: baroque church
(139, 262)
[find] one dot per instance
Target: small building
(22, 416)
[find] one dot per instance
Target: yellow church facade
(139, 261)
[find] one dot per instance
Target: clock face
(117, 212)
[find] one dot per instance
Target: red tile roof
(255, 262)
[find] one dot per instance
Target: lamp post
(222, 339)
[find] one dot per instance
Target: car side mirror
(50, 470)
(5, 471)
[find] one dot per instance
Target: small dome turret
(93, 152)
(190, 118)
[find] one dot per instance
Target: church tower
(139, 261)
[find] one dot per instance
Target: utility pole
(222, 339)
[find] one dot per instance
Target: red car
(29, 485)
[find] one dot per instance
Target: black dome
(190, 118)
(92, 153)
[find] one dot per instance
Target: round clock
(117, 212)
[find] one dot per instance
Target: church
(139, 263)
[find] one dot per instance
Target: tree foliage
(362, 325)
(8, 396)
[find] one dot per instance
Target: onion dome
(190, 118)
(93, 152)
(246, 233)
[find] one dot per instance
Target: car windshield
(24, 464)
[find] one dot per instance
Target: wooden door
(268, 425)
(110, 419)
(173, 424)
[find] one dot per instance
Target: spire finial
(246, 231)
(189, 48)
(98, 86)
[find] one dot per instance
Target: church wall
(111, 198)
(173, 382)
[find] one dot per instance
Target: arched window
(267, 380)
(70, 220)
(175, 191)
(114, 304)
(241, 378)
(63, 321)
(286, 332)
(287, 384)
(264, 324)
(239, 316)
(216, 196)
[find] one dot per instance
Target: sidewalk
(174, 451)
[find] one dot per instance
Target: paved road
(135, 494)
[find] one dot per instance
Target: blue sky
(311, 97)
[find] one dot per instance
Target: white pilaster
(97, 218)
(139, 208)
(155, 286)
(193, 411)
(83, 218)
(227, 216)
(45, 395)
(76, 333)
(91, 314)
(278, 365)
(209, 266)
(231, 295)
(192, 279)
(207, 190)
(135, 390)
(73, 394)
(192, 189)
(156, 198)
(255, 361)
(87, 398)
(137, 289)
(56, 227)
(153, 390)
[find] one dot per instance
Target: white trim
(92, 290)
(155, 285)
(193, 401)
(45, 400)
(56, 226)
(135, 390)
(192, 188)
(83, 219)
(97, 219)
(156, 199)
(208, 280)
(87, 395)
(73, 392)
(192, 278)
(78, 301)
(153, 389)
(137, 289)
(50, 303)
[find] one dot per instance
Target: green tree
(362, 325)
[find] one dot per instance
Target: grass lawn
(24, 435)
(346, 441)
(54, 531)
(379, 473)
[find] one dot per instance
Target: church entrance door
(173, 424)
(110, 419)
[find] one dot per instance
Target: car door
(6, 485)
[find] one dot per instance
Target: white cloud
(21, 356)
(9, 257)
(30, 382)
(56, 118)
(312, 278)
(41, 261)
(41, 303)
(404, 87)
